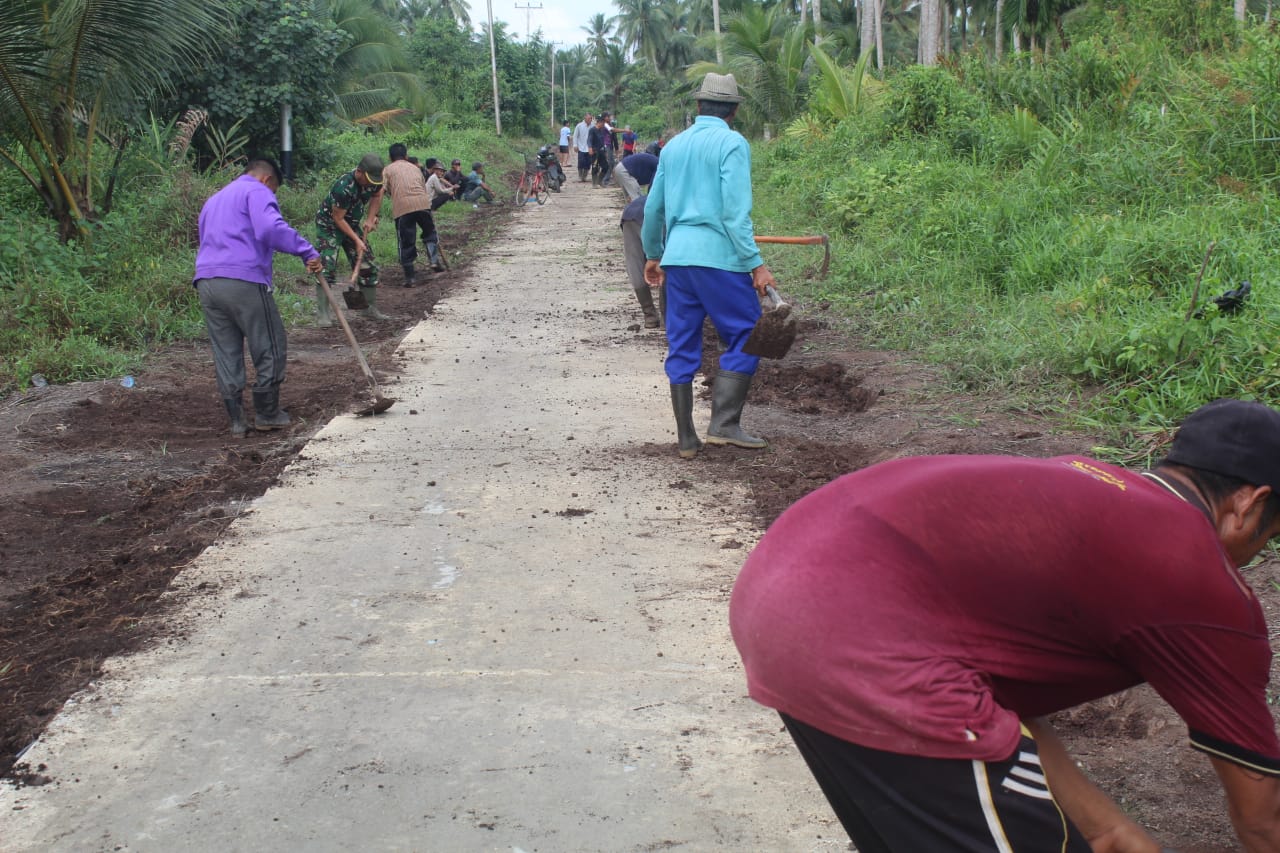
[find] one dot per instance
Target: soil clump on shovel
(775, 331)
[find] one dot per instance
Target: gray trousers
(633, 254)
(629, 184)
(236, 312)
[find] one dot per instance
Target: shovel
(380, 403)
(353, 296)
(774, 332)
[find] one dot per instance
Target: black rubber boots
(682, 405)
(728, 395)
(235, 411)
(267, 412)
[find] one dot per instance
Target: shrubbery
(1040, 225)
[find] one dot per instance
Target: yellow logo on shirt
(1098, 474)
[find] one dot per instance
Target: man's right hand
(361, 246)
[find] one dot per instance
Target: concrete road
(482, 621)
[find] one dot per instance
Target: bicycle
(533, 185)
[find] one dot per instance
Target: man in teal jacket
(710, 266)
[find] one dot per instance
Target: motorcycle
(549, 162)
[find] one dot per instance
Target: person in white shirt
(583, 147)
(565, 133)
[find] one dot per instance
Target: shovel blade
(773, 334)
(379, 405)
(355, 299)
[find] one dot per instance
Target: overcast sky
(561, 21)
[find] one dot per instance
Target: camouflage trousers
(327, 244)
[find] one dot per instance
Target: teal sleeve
(655, 213)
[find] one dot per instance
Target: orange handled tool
(810, 240)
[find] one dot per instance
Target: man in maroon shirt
(915, 621)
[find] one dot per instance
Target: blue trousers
(695, 293)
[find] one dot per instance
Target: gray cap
(719, 87)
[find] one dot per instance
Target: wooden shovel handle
(813, 240)
(355, 268)
(351, 338)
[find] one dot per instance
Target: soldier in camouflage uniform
(336, 228)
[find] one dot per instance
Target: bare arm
(339, 215)
(375, 207)
(1107, 828)
(1253, 800)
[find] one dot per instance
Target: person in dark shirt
(598, 145)
(455, 179)
(635, 171)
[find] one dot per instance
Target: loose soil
(112, 490)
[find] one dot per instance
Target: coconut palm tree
(455, 9)
(371, 74)
(768, 53)
(640, 25)
(598, 30)
(610, 74)
(929, 29)
(410, 12)
(72, 75)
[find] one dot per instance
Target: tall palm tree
(455, 9)
(673, 49)
(410, 12)
(371, 73)
(641, 25)
(598, 30)
(609, 74)
(929, 28)
(72, 73)
(768, 53)
(871, 31)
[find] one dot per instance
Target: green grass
(1048, 246)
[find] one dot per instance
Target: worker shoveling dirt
(775, 331)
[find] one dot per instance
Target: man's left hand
(762, 278)
(315, 265)
(654, 274)
(370, 224)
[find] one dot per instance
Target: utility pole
(493, 65)
(715, 16)
(552, 47)
(528, 18)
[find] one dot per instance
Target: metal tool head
(379, 405)
(354, 297)
(774, 332)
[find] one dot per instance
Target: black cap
(1231, 437)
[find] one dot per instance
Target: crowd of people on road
(913, 623)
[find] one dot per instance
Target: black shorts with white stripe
(891, 803)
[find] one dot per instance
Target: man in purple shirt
(240, 228)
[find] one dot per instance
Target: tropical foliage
(72, 77)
